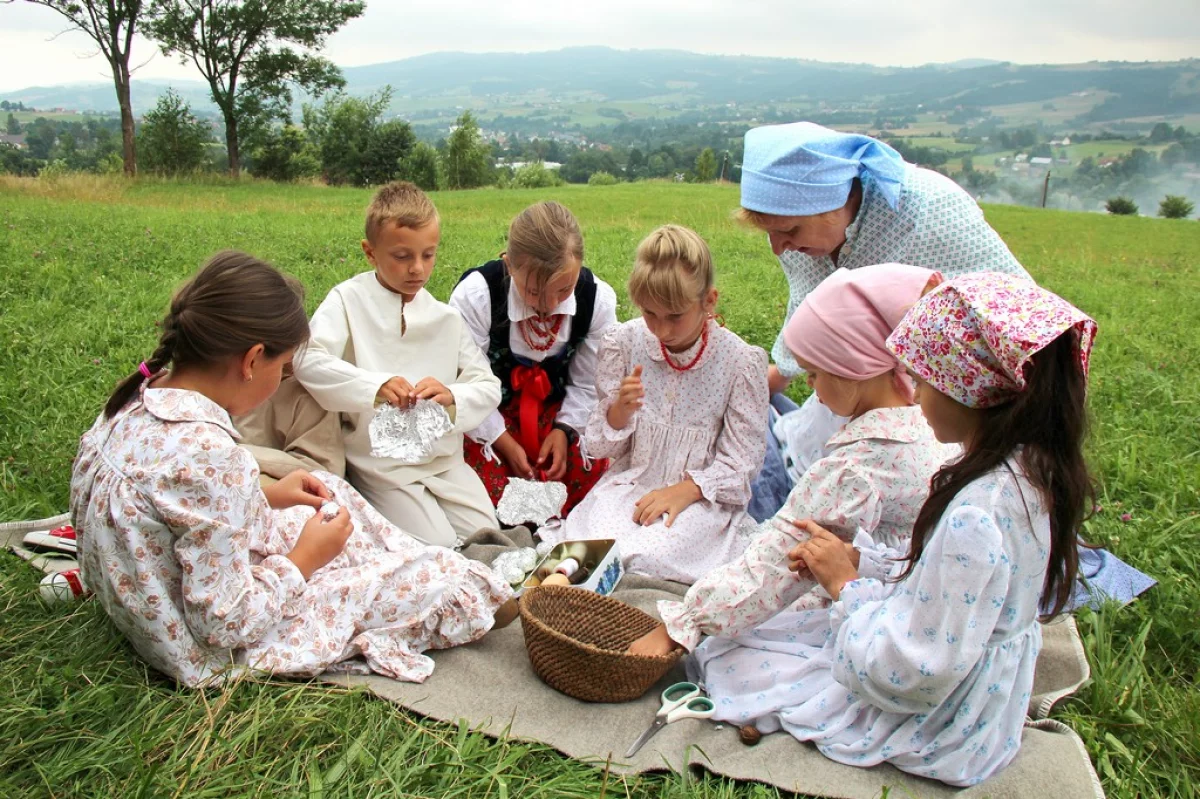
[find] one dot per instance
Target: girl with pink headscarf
(868, 489)
(932, 672)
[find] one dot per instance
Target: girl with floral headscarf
(932, 671)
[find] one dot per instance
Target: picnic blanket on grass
(491, 685)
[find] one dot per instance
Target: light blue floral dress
(932, 674)
(935, 224)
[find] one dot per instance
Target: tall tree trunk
(128, 149)
(231, 144)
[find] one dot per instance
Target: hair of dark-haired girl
(233, 303)
(1048, 422)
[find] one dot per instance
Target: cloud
(870, 31)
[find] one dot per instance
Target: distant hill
(433, 88)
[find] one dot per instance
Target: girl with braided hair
(210, 575)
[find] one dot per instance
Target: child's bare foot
(505, 614)
(655, 643)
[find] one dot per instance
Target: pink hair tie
(145, 370)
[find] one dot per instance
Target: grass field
(88, 266)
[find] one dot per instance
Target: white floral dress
(868, 491)
(932, 674)
(706, 422)
(182, 550)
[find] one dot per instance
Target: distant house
(1039, 160)
(1021, 158)
(15, 141)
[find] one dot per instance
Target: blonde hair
(541, 239)
(673, 268)
(402, 204)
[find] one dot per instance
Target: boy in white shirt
(381, 337)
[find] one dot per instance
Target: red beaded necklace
(694, 361)
(537, 327)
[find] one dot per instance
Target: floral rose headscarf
(971, 337)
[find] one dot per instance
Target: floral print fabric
(188, 559)
(932, 674)
(868, 490)
(936, 225)
(971, 337)
(706, 422)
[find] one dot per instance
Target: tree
(1121, 206)
(241, 49)
(172, 139)
(1174, 206)
(12, 127)
(706, 165)
(420, 166)
(388, 146)
(1161, 133)
(285, 154)
(467, 159)
(1173, 155)
(111, 25)
(341, 127)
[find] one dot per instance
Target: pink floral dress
(188, 559)
(706, 422)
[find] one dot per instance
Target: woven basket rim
(591, 648)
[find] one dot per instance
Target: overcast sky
(871, 31)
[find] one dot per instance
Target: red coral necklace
(683, 368)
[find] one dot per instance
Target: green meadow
(88, 265)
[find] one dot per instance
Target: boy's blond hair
(541, 239)
(402, 204)
(673, 269)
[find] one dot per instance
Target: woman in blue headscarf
(827, 200)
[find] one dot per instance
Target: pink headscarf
(843, 324)
(971, 338)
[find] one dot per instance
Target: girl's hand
(431, 388)
(654, 643)
(671, 500)
(777, 382)
(553, 457)
(321, 541)
(513, 455)
(397, 391)
(825, 556)
(629, 400)
(796, 562)
(298, 488)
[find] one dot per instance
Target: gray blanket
(492, 686)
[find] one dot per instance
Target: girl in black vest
(539, 314)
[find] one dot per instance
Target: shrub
(1174, 206)
(602, 179)
(535, 176)
(1121, 206)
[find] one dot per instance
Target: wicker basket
(577, 642)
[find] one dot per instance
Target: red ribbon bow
(533, 385)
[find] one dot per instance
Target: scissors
(679, 701)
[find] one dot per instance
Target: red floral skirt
(495, 476)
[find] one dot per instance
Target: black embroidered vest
(500, 354)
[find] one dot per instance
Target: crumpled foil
(530, 501)
(512, 566)
(408, 434)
